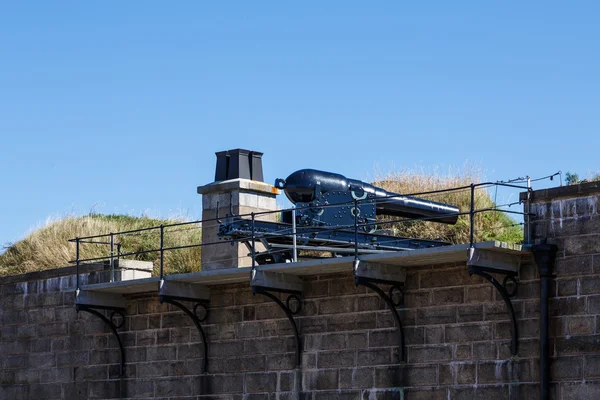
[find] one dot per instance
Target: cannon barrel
(306, 185)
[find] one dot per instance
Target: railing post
(162, 251)
(112, 257)
(472, 216)
(294, 248)
(528, 239)
(253, 243)
(77, 260)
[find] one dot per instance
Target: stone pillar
(237, 196)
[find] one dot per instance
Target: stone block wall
(456, 328)
(570, 218)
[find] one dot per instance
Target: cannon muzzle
(309, 185)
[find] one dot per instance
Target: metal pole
(162, 251)
(355, 229)
(295, 249)
(545, 257)
(112, 257)
(472, 216)
(77, 261)
(544, 339)
(253, 251)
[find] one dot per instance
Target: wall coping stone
(238, 184)
(579, 190)
(51, 273)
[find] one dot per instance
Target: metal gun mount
(328, 207)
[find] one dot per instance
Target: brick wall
(570, 218)
(456, 327)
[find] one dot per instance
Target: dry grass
(48, 247)
(488, 225)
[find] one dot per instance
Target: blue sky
(120, 106)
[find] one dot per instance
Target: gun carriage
(327, 208)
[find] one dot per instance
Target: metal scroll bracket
(93, 302)
(172, 292)
(266, 283)
(371, 275)
(482, 262)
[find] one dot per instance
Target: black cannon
(318, 192)
(330, 212)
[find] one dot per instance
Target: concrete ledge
(416, 258)
(238, 184)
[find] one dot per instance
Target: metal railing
(115, 246)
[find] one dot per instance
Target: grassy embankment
(48, 248)
(488, 225)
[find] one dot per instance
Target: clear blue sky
(120, 106)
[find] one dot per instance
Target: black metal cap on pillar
(239, 163)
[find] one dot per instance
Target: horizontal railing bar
(301, 208)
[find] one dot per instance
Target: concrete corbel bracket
(482, 262)
(371, 275)
(94, 302)
(172, 292)
(268, 283)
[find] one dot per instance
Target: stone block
(581, 325)
(506, 371)
(261, 382)
(574, 265)
(331, 341)
(468, 332)
(448, 296)
(573, 345)
(478, 294)
(580, 390)
(462, 352)
(470, 312)
(436, 278)
(592, 367)
(590, 285)
(217, 384)
(276, 362)
(356, 378)
(436, 315)
(172, 386)
(379, 356)
(429, 353)
(418, 394)
(567, 287)
(566, 368)
(458, 373)
(338, 305)
(400, 376)
(335, 359)
(153, 369)
(320, 379)
(434, 334)
(350, 322)
(580, 245)
(563, 306)
(262, 346)
(370, 303)
(415, 299)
